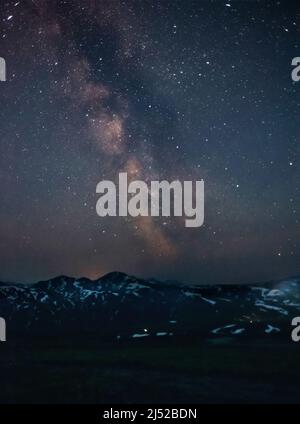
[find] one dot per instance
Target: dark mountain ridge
(118, 306)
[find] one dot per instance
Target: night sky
(163, 89)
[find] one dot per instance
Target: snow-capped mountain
(118, 306)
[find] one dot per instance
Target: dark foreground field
(214, 371)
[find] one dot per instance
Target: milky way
(184, 90)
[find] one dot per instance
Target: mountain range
(122, 307)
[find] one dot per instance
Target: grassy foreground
(151, 372)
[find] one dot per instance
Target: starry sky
(167, 89)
